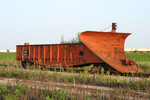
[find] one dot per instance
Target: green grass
(24, 92)
(137, 57)
(78, 78)
(7, 56)
(70, 91)
(8, 59)
(142, 60)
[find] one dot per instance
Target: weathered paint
(97, 47)
(109, 47)
(62, 54)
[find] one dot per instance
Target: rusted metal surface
(97, 47)
(109, 47)
(57, 54)
(26, 43)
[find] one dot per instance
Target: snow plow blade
(109, 47)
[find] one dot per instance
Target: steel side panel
(62, 54)
(19, 52)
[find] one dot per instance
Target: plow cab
(109, 47)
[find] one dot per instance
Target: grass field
(17, 83)
(36, 84)
(7, 56)
(139, 57)
(142, 59)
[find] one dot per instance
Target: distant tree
(73, 40)
(78, 38)
(62, 41)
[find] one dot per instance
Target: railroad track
(146, 75)
(78, 70)
(136, 75)
(88, 69)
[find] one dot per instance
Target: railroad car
(96, 48)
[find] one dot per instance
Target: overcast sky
(45, 21)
